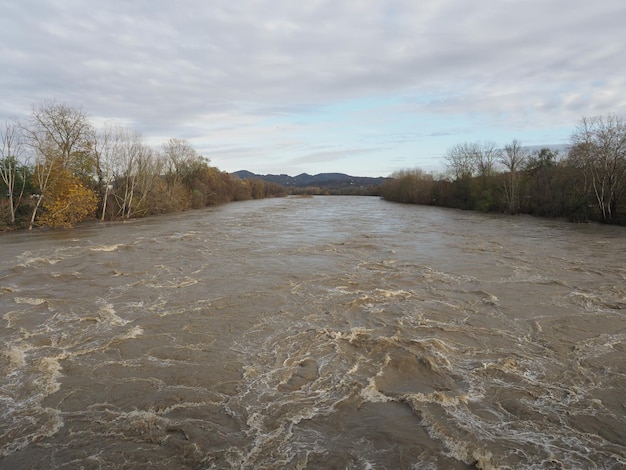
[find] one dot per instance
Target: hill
(328, 181)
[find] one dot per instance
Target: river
(325, 332)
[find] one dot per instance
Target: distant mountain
(321, 180)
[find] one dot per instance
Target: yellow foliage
(67, 203)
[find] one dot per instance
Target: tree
(543, 158)
(470, 159)
(68, 201)
(47, 167)
(135, 175)
(461, 160)
(409, 187)
(485, 157)
(61, 138)
(599, 148)
(110, 152)
(68, 131)
(513, 159)
(197, 179)
(12, 171)
(179, 156)
(544, 182)
(467, 161)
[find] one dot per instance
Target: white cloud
(188, 68)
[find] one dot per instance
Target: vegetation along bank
(57, 169)
(587, 182)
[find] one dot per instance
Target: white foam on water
(106, 248)
(16, 354)
(27, 382)
(134, 332)
(108, 315)
(29, 300)
(49, 421)
(393, 293)
(462, 450)
(186, 281)
(370, 392)
(49, 380)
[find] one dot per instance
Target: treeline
(57, 169)
(369, 190)
(586, 183)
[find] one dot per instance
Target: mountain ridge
(303, 180)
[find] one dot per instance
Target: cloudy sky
(364, 87)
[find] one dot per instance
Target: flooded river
(326, 332)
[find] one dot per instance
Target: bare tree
(178, 156)
(135, 172)
(514, 158)
(471, 159)
(125, 170)
(486, 155)
(461, 160)
(149, 169)
(599, 148)
(65, 128)
(109, 155)
(12, 168)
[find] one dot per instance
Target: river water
(326, 332)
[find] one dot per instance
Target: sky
(364, 87)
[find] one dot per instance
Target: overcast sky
(363, 87)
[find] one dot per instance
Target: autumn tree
(599, 149)
(61, 139)
(68, 201)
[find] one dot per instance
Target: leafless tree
(135, 170)
(599, 148)
(12, 166)
(486, 156)
(109, 153)
(514, 158)
(461, 160)
(178, 155)
(470, 159)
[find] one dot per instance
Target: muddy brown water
(326, 332)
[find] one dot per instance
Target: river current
(325, 332)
